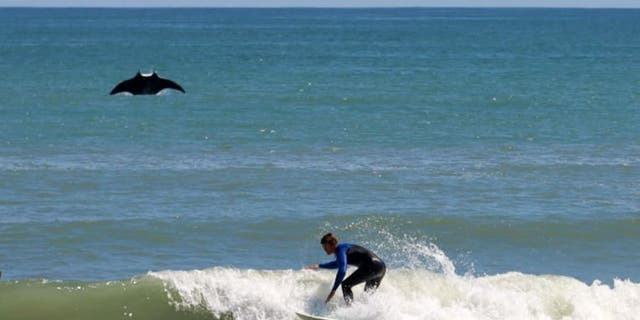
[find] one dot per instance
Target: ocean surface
(490, 156)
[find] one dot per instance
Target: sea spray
(388, 238)
(404, 294)
(427, 287)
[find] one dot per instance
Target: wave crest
(404, 294)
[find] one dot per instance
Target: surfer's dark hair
(329, 238)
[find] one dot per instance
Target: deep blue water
(508, 138)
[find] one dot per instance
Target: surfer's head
(329, 243)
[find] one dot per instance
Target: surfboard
(305, 316)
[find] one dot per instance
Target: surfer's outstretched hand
(330, 296)
(313, 267)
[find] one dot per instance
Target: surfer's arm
(329, 265)
(333, 292)
(341, 262)
(341, 265)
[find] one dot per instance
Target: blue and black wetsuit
(371, 269)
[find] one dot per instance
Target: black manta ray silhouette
(145, 84)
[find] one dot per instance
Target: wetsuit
(371, 269)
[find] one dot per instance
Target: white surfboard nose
(305, 316)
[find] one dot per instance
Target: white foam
(453, 162)
(404, 294)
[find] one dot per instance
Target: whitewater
(429, 288)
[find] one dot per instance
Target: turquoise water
(491, 153)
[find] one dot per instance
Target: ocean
(491, 157)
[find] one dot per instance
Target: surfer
(371, 268)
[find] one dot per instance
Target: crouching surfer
(371, 268)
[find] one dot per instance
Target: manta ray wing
(162, 84)
(133, 85)
(141, 84)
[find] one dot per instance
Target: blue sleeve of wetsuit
(329, 265)
(341, 261)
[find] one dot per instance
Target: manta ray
(143, 83)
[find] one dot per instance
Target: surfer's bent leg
(356, 277)
(372, 276)
(372, 284)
